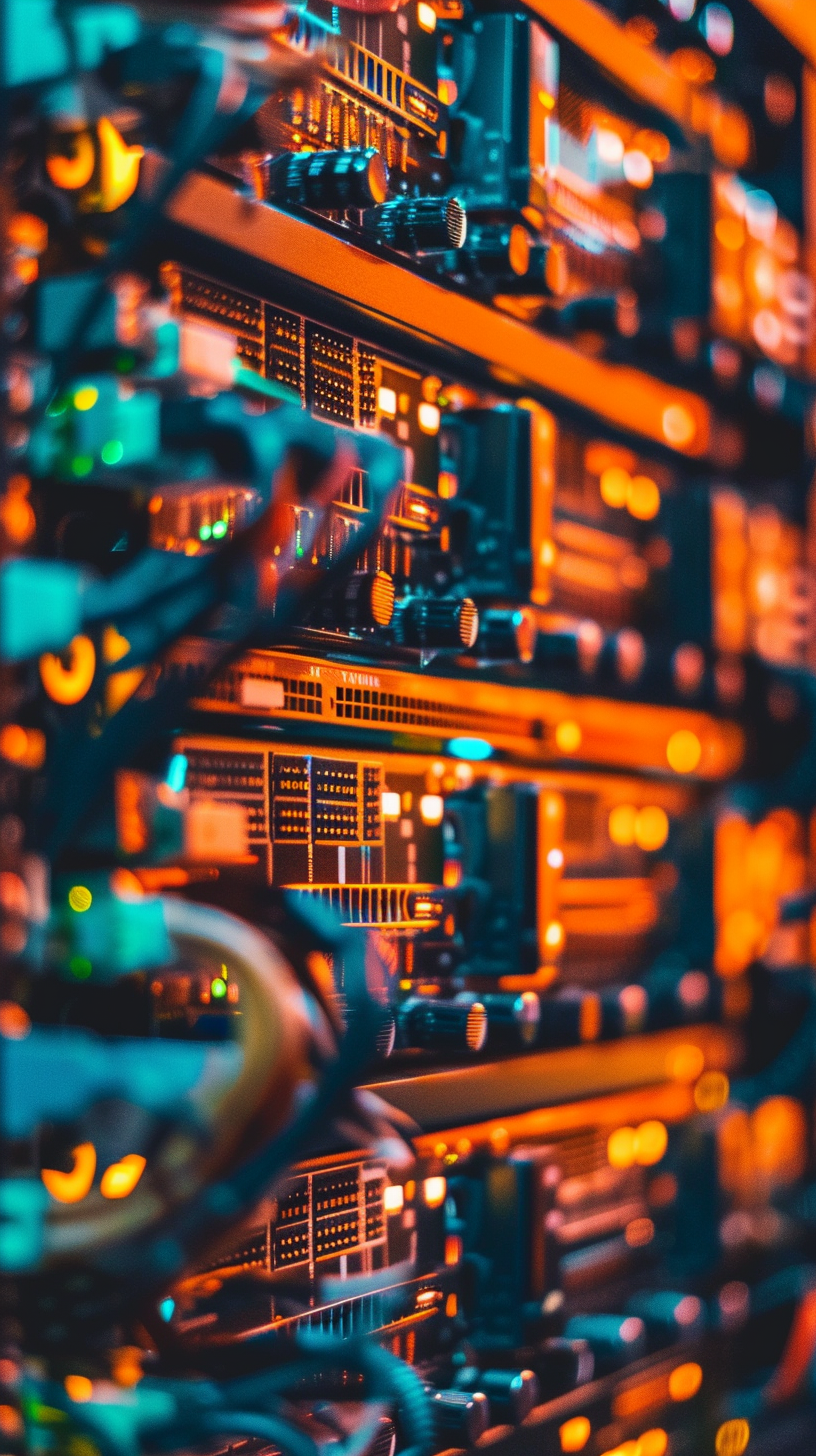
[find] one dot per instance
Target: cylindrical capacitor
(568, 648)
(561, 1365)
(496, 250)
(512, 1017)
(439, 1025)
(507, 634)
(624, 1010)
(437, 621)
(678, 995)
(570, 1017)
(668, 1315)
(365, 600)
(461, 1416)
(615, 1339)
(329, 181)
(419, 224)
(512, 1393)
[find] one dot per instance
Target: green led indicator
(112, 452)
(82, 464)
(205, 532)
(219, 529)
(80, 967)
(218, 988)
(57, 407)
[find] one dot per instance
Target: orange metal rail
(419, 309)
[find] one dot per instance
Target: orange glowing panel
(75, 1185)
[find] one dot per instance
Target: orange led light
(684, 751)
(620, 1148)
(711, 1092)
(67, 677)
(72, 1187)
(685, 1381)
(574, 1433)
(568, 736)
(651, 1141)
(434, 1191)
(78, 1388)
(732, 1438)
(651, 827)
(25, 746)
(72, 167)
(120, 1179)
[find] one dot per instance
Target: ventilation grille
(398, 906)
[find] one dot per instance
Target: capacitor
(615, 1339)
(329, 181)
(512, 1393)
(624, 1010)
(570, 1017)
(419, 224)
(507, 634)
(437, 621)
(512, 1018)
(562, 1365)
(461, 1416)
(366, 600)
(440, 1025)
(569, 647)
(667, 1315)
(495, 250)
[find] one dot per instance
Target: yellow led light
(623, 824)
(678, 424)
(651, 1141)
(614, 486)
(393, 1198)
(643, 498)
(390, 805)
(651, 827)
(732, 1438)
(568, 736)
(653, 1443)
(711, 1092)
(85, 397)
(434, 1191)
(429, 418)
(620, 1148)
(426, 17)
(80, 898)
(121, 1178)
(684, 751)
(574, 1433)
(387, 401)
(554, 935)
(431, 808)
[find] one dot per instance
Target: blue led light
(177, 773)
(166, 1309)
(473, 749)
